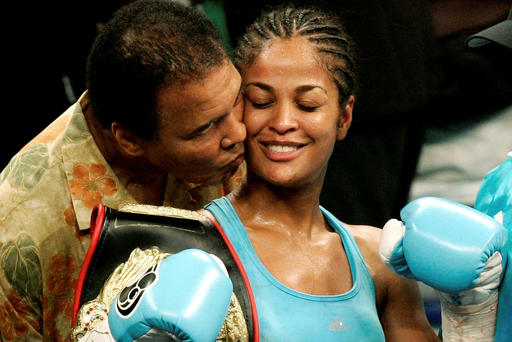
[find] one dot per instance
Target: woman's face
(292, 114)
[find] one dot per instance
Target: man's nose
(235, 133)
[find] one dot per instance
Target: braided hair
(323, 30)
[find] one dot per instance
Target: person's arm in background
(453, 16)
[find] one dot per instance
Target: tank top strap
(347, 238)
(224, 213)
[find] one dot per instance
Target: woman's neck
(296, 210)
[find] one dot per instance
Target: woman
(313, 277)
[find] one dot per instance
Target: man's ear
(345, 118)
(129, 142)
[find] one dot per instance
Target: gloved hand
(451, 247)
(495, 199)
(186, 296)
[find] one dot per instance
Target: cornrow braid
(322, 29)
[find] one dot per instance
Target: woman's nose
(283, 118)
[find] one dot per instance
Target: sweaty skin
(293, 119)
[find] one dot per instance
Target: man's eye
(206, 127)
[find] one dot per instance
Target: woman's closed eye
(307, 107)
(260, 103)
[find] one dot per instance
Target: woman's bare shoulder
(365, 236)
(367, 239)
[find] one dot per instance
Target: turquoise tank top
(288, 315)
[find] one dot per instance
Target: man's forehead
(211, 81)
(215, 92)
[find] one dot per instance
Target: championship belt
(121, 239)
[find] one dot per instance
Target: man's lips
(237, 161)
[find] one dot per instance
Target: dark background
(414, 71)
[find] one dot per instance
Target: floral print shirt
(47, 193)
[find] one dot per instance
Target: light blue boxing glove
(185, 297)
(446, 245)
(458, 251)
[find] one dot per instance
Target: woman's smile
(281, 151)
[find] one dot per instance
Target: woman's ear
(345, 118)
(129, 142)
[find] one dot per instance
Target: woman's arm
(399, 301)
(402, 313)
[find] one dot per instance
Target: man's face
(200, 138)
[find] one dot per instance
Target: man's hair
(323, 29)
(148, 45)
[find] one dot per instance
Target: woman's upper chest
(310, 264)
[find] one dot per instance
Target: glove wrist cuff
(475, 322)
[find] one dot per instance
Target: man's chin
(211, 180)
(220, 179)
(230, 174)
(226, 176)
(216, 178)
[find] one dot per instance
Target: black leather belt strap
(122, 232)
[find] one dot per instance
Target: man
(159, 124)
